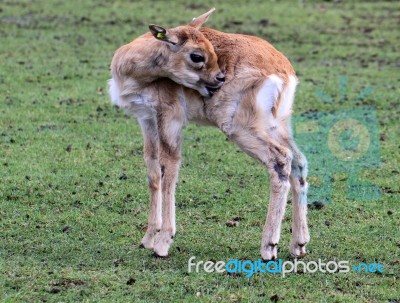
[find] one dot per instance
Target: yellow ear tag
(160, 36)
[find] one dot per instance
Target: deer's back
(239, 54)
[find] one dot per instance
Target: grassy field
(73, 193)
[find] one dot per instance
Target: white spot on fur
(114, 92)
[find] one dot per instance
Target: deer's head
(188, 58)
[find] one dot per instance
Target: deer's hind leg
(298, 181)
(264, 137)
(277, 159)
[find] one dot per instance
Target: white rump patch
(267, 98)
(285, 106)
(269, 93)
(274, 88)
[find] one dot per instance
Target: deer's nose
(220, 77)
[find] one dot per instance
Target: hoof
(298, 251)
(162, 243)
(149, 237)
(159, 257)
(147, 243)
(269, 252)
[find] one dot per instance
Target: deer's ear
(200, 20)
(162, 34)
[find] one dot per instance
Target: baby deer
(240, 84)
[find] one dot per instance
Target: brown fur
(148, 73)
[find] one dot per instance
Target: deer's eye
(197, 58)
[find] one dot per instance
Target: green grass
(70, 225)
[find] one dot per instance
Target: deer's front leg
(170, 155)
(151, 157)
